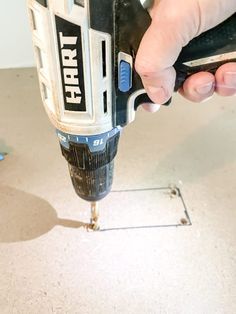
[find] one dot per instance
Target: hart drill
(85, 52)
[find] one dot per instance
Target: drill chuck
(91, 162)
(92, 185)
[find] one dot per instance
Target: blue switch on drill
(125, 76)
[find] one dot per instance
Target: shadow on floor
(24, 216)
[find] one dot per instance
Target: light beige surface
(50, 265)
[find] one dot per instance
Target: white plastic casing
(95, 120)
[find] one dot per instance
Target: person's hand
(174, 25)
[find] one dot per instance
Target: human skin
(174, 25)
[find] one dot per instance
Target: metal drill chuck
(91, 171)
(92, 185)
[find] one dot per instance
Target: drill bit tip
(94, 216)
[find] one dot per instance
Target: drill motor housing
(85, 52)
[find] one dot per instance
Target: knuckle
(145, 69)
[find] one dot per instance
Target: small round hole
(183, 221)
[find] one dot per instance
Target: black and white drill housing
(80, 47)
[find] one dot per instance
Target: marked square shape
(149, 208)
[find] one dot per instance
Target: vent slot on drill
(39, 57)
(105, 101)
(33, 20)
(79, 2)
(45, 92)
(43, 2)
(104, 59)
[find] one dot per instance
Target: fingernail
(157, 91)
(150, 107)
(230, 79)
(204, 89)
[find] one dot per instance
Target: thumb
(171, 29)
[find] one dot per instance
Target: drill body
(85, 52)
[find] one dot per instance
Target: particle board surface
(50, 264)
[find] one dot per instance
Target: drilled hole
(174, 192)
(184, 221)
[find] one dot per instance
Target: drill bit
(94, 216)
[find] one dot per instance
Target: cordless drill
(85, 52)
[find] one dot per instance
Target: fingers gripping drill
(85, 52)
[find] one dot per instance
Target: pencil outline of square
(169, 189)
